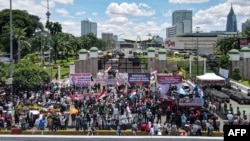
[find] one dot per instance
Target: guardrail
(236, 85)
(97, 132)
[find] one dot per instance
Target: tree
(236, 74)
(90, 40)
(227, 43)
(246, 33)
(22, 22)
(4, 72)
(53, 27)
(29, 75)
(224, 61)
(19, 38)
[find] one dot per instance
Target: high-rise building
(245, 25)
(88, 26)
(231, 21)
(181, 23)
(185, 17)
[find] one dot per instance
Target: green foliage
(90, 40)
(32, 58)
(236, 74)
(224, 61)
(4, 72)
(227, 43)
(165, 70)
(195, 58)
(29, 76)
(21, 20)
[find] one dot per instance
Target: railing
(237, 85)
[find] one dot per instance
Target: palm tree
(246, 33)
(227, 43)
(20, 39)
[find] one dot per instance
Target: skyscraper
(181, 23)
(88, 26)
(184, 17)
(231, 21)
(245, 25)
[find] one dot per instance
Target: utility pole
(11, 51)
(197, 51)
(48, 16)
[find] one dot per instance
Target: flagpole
(190, 66)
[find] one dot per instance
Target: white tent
(210, 77)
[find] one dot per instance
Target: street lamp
(197, 51)
(11, 50)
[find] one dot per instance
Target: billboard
(139, 78)
(191, 102)
(80, 79)
(164, 82)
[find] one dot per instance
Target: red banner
(166, 79)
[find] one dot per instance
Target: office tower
(245, 25)
(184, 17)
(88, 26)
(231, 21)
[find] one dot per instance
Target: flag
(128, 109)
(122, 91)
(147, 89)
(128, 84)
(101, 95)
(107, 69)
(153, 72)
(159, 87)
(133, 92)
(117, 84)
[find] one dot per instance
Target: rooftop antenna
(48, 13)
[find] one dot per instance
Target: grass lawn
(245, 83)
(64, 64)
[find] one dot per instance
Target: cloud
(215, 17)
(80, 13)
(65, 2)
(129, 9)
(94, 14)
(62, 11)
(168, 13)
(188, 1)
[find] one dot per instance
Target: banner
(164, 82)
(191, 102)
(223, 72)
(80, 79)
(166, 79)
(139, 78)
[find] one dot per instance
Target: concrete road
(104, 138)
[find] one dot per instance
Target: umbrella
(34, 112)
(73, 111)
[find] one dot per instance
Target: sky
(133, 17)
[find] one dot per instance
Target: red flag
(133, 92)
(153, 72)
(101, 95)
(117, 84)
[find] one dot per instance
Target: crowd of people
(102, 107)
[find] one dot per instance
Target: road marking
(113, 137)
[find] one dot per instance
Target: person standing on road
(42, 125)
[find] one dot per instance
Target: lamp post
(11, 50)
(197, 51)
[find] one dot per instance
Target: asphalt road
(104, 138)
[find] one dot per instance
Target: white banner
(80, 78)
(224, 73)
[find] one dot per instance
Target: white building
(206, 42)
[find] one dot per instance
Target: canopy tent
(210, 77)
